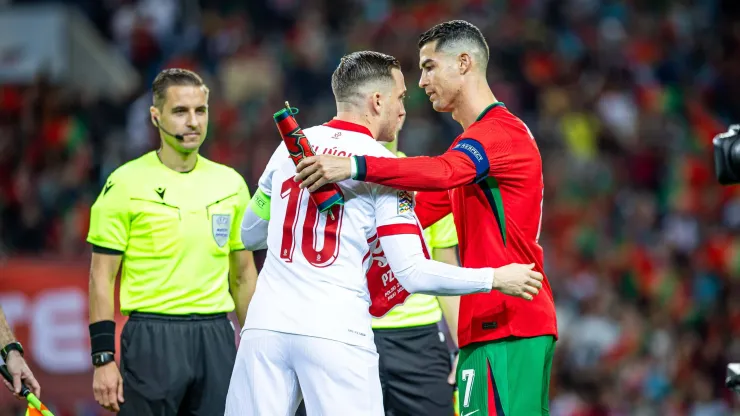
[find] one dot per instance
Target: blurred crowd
(623, 97)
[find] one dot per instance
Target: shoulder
(222, 174)
(375, 148)
(133, 171)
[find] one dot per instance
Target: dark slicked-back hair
(454, 31)
(174, 76)
(359, 68)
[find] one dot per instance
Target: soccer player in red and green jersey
(491, 180)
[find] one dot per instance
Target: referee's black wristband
(103, 336)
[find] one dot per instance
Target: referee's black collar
(488, 109)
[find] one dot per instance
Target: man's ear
(154, 115)
(465, 63)
(376, 102)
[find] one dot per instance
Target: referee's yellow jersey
(175, 231)
(421, 309)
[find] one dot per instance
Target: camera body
(727, 156)
(733, 377)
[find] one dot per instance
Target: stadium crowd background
(623, 97)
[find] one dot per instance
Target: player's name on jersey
(330, 151)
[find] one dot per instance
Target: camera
(733, 377)
(727, 156)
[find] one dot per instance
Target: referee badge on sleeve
(221, 227)
(405, 202)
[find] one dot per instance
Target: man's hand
(18, 368)
(452, 378)
(316, 171)
(108, 386)
(517, 280)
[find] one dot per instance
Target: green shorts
(508, 377)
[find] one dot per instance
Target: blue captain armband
(475, 152)
(260, 204)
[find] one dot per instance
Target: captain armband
(260, 204)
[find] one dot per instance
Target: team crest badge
(405, 202)
(221, 227)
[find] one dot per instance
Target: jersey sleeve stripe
(397, 229)
(475, 152)
(105, 250)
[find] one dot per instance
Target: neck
(177, 161)
(361, 119)
(473, 99)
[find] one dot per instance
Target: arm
(109, 233)
(255, 222)
(257, 216)
(15, 362)
(450, 304)
(421, 173)
(406, 252)
(469, 161)
(409, 263)
(242, 270)
(442, 238)
(6, 334)
(242, 281)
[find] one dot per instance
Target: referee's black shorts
(414, 365)
(176, 365)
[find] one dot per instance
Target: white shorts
(275, 370)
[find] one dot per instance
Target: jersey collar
(346, 125)
(488, 109)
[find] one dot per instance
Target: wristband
(103, 336)
(353, 168)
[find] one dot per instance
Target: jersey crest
(221, 227)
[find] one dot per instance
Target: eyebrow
(183, 108)
(425, 62)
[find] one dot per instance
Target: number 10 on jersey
(312, 228)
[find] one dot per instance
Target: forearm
(418, 274)
(6, 333)
(242, 282)
(450, 304)
(101, 288)
(422, 173)
(451, 310)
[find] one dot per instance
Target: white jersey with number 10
(313, 280)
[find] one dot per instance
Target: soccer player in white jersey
(308, 332)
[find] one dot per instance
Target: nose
(423, 81)
(192, 119)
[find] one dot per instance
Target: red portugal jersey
(491, 180)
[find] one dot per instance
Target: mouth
(191, 135)
(430, 94)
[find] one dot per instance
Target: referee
(171, 219)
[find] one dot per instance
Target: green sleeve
(235, 239)
(109, 217)
(442, 233)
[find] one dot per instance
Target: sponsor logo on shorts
(468, 414)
